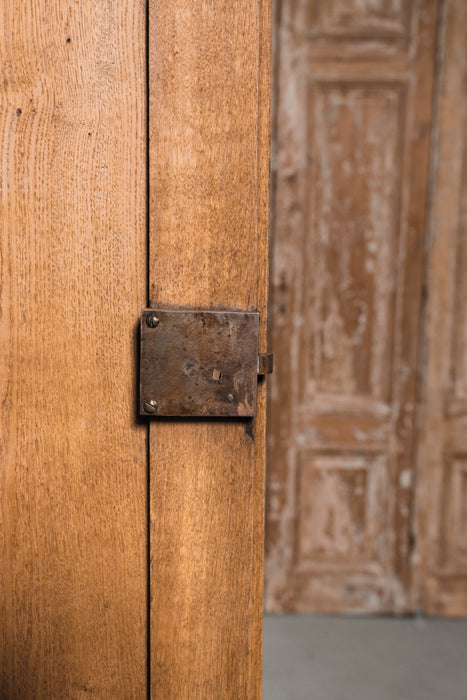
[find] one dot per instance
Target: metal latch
(200, 363)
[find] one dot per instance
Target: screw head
(152, 321)
(230, 397)
(150, 407)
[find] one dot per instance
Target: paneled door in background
(440, 578)
(354, 113)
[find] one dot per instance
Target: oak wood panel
(209, 67)
(73, 513)
(354, 114)
(441, 495)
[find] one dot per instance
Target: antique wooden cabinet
(135, 165)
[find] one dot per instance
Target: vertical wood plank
(440, 581)
(209, 79)
(72, 281)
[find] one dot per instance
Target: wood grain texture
(209, 73)
(354, 115)
(72, 281)
(440, 585)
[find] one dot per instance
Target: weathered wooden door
(354, 115)
(440, 580)
(130, 555)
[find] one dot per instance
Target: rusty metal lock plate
(198, 363)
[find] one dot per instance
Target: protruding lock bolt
(152, 321)
(150, 407)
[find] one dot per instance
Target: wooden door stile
(209, 73)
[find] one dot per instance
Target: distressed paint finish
(354, 114)
(358, 18)
(441, 564)
(354, 182)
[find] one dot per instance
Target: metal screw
(150, 407)
(152, 321)
(230, 397)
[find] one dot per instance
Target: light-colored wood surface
(354, 114)
(441, 573)
(209, 152)
(72, 281)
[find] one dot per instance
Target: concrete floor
(328, 658)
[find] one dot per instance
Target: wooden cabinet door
(130, 555)
(354, 113)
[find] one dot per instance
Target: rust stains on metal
(199, 363)
(265, 363)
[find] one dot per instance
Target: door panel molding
(354, 117)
